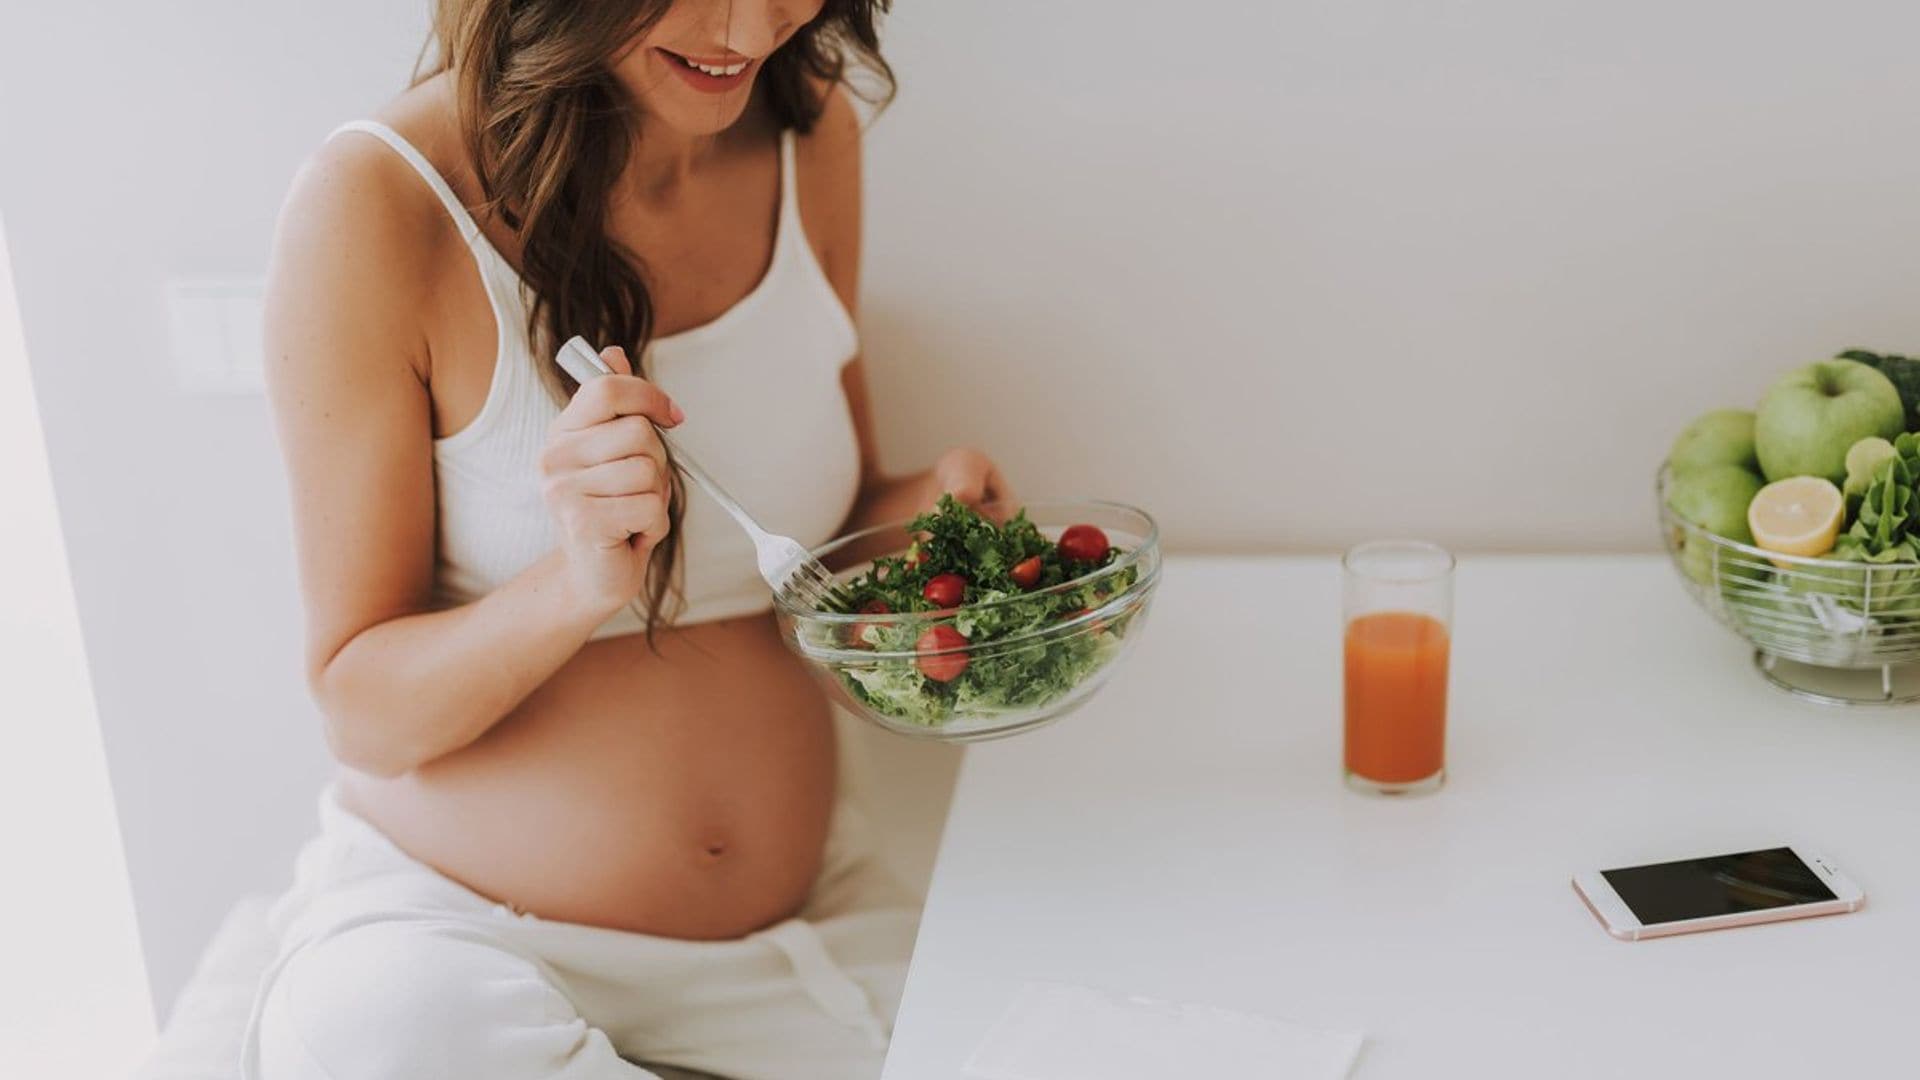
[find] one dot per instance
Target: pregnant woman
(587, 823)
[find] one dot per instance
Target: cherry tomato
(1026, 572)
(935, 661)
(1083, 543)
(857, 633)
(1096, 626)
(945, 590)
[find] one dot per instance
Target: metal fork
(794, 575)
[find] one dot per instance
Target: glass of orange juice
(1399, 618)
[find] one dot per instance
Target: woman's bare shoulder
(360, 246)
(356, 205)
(354, 187)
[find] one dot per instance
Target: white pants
(389, 969)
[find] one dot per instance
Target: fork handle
(685, 463)
(580, 360)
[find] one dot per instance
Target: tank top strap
(469, 229)
(514, 382)
(789, 188)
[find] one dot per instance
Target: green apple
(1813, 416)
(1721, 437)
(1697, 558)
(1715, 498)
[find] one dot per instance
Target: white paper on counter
(1054, 1031)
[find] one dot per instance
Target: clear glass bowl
(1072, 636)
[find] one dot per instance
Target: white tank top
(766, 415)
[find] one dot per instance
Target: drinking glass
(1398, 597)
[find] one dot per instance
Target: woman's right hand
(607, 482)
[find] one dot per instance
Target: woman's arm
(830, 162)
(398, 683)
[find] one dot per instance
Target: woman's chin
(701, 116)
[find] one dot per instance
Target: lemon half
(1797, 516)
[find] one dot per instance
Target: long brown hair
(548, 131)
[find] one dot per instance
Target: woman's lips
(709, 75)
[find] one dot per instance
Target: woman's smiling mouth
(709, 74)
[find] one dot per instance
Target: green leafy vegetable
(1010, 667)
(1883, 528)
(1902, 371)
(1886, 530)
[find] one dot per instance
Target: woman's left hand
(970, 476)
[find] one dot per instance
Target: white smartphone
(1716, 892)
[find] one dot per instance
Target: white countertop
(1186, 836)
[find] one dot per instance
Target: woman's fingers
(969, 476)
(612, 521)
(998, 490)
(610, 397)
(612, 440)
(627, 476)
(973, 479)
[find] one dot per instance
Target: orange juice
(1396, 697)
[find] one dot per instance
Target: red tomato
(857, 632)
(945, 590)
(946, 666)
(1083, 543)
(1026, 572)
(1096, 626)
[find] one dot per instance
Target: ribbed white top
(766, 415)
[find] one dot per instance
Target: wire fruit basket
(1833, 631)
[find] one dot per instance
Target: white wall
(1288, 274)
(1292, 274)
(140, 142)
(74, 999)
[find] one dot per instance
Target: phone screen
(1717, 885)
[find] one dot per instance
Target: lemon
(1797, 516)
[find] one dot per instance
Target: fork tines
(811, 586)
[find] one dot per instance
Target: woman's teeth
(726, 72)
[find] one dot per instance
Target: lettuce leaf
(1884, 527)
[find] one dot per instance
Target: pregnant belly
(685, 794)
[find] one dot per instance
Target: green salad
(980, 583)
